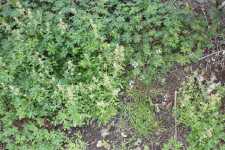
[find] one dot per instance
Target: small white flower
(158, 51)
(135, 64)
(131, 83)
(62, 25)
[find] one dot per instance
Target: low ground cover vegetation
(64, 65)
(199, 109)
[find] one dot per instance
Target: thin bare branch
(175, 116)
(211, 54)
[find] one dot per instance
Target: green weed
(76, 143)
(200, 111)
(141, 117)
(64, 61)
(172, 144)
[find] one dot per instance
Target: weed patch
(140, 115)
(64, 61)
(199, 109)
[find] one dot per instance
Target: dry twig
(212, 54)
(175, 116)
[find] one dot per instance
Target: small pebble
(103, 144)
(104, 132)
(138, 142)
(99, 144)
(137, 148)
(123, 134)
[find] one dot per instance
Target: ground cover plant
(199, 109)
(54, 70)
(64, 65)
(140, 115)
